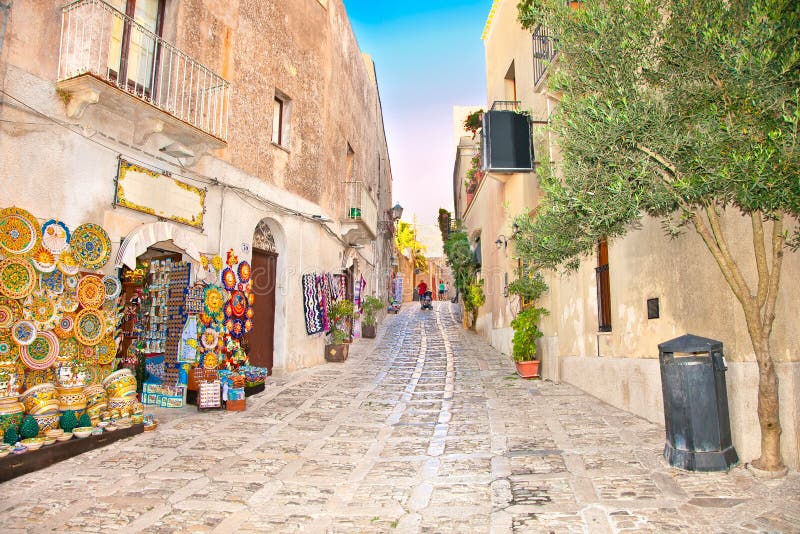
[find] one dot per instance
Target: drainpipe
(4, 10)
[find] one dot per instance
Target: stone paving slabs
(426, 429)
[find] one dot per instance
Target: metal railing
(98, 40)
(505, 105)
(545, 48)
(360, 206)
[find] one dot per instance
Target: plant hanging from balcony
(474, 121)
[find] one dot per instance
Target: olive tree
(685, 110)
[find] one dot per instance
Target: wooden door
(261, 338)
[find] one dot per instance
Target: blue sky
(429, 57)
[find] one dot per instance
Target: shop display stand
(15, 465)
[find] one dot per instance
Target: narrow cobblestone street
(426, 429)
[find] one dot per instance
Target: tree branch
(708, 238)
(736, 273)
(761, 257)
(658, 159)
(775, 275)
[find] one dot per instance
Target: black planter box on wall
(506, 142)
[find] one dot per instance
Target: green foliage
(444, 223)
(371, 306)
(85, 420)
(140, 371)
(10, 436)
(473, 122)
(474, 297)
(462, 265)
(29, 428)
(528, 286)
(336, 314)
(406, 239)
(526, 332)
(68, 421)
(667, 116)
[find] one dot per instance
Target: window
(133, 54)
(348, 169)
(510, 83)
(281, 108)
(603, 288)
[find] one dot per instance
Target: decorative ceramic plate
(42, 353)
(42, 310)
(9, 351)
(228, 279)
(113, 287)
(55, 236)
(209, 338)
(37, 378)
(238, 304)
(17, 277)
(70, 350)
(64, 325)
(214, 302)
(53, 282)
(237, 329)
(71, 282)
(210, 360)
(19, 231)
(68, 302)
(89, 327)
(10, 312)
(23, 332)
(90, 246)
(248, 325)
(110, 316)
(244, 272)
(91, 292)
(67, 264)
(88, 355)
(105, 351)
(43, 260)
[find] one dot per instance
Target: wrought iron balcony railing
(360, 206)
(545, 48)
(102, 42)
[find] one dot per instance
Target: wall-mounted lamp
(397, 212)
(501, 241)
(514, 230)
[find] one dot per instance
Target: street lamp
(501, 241)
(397, 212)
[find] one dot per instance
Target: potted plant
(474, 121)
(526, 332)
(371, 307)
(337, 350)
(529, 287)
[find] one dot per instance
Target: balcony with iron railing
(109, 59)
(506, 142)
(545, 48)
(360, 221)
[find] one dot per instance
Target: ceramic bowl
(103, 424)
(82, 431)
(4, 453)
(71, 399)
(20, 449)
(116, 376)
(53, 433)
(46, 422)
(97, 431)
(110, 428)
(123, 387)
(66, 436)
(33, 443)
(120, 404)
(137, 419)
(49, 441)
(40, 400)
(95, 396)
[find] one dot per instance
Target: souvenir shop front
(83, 353)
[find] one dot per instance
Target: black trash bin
(696, 405)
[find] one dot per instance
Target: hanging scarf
(312, 305)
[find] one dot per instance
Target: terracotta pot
(529, 369)
(336, 353)
(368, 331)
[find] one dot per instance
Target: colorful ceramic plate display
(113, 287)
(23, 332)
(10, 311)
(67, 264)
(43, 260)
(91, 292)
(88, 355)
(211, 360)
(55, 236)
(17, 277)
(89, 327)
(52, 282)
(41, 353)
(9, 351)
(42, 310)
(71, 282)
(238, 304)
(209, 338)
(35, 378)
(105, 351)
(70, 350)
(236, 329)
(19, 231)
(64, 325)
(214, 302)
(90, 246)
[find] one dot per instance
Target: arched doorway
(264, 275)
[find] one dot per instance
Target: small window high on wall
(603, 288)
(281, 114)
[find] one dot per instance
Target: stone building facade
(598, 335)
(268, 106)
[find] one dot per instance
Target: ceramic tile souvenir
(19, 231)
(90, 246)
